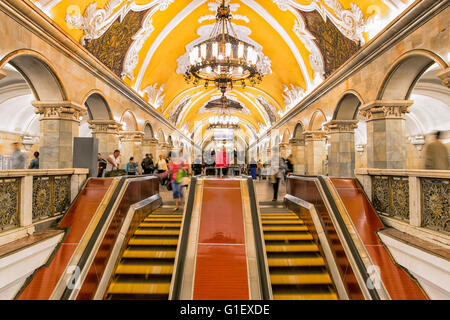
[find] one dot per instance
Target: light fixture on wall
(360, 148)
(223, 59)
(417, 141)
(28, 142)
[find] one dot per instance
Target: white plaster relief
(292, 95)
(155, 95)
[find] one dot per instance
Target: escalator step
(299, 228)
(305, 296)
(297, 221)
(149, 254)
(306, 236)
(296, 279)
(165, 216)
(280, 218)
(143, 232)
(158, 242)
(160, 225)
(162, 219)
(292, 248)
(139, 288)
(296, 262)
(144, 269)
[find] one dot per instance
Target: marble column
(130, 145)
(107, 133)
(59, 124)
(298, 153)
(149, 146)
(284, 150)
(315, 152)
(386, 140)
(341, 153)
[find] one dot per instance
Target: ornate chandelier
(223, 59)
(224, 121)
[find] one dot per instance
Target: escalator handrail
(93, 239)
(260, 254)
(183, 242)
(347, 237)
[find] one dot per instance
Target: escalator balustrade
(297, 269)
(146, 266)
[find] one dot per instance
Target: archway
(348, 105)
(318, 119)
(148, 131)
(97, 108)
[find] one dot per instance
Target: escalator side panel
(137, 190)
(76, 220)
(367, 223)
(307, 190)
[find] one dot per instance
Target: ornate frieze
(59, 110)
(393, 109)
(436, 204)
(155, 95)
(131, 136)
(295, 142)
(341, 126)
(148, 142)
(292, 95)
(104, 126)
(9, 203)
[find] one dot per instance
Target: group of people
(18, 158)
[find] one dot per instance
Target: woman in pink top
(175, 165)
(222, 161)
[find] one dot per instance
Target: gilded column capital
(341, 126)
(386, 109)
(58, 110)
(444, 75)
(105, 126)
(131, 136)
(3, 74)
(318, 135)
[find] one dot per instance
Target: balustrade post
(26, 201)
(415, 202)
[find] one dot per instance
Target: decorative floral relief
(155, 95)
(9, 203)
(61, 194)
(400, 197)
(41, 197)
(292, 94)
(380, 194)
(436, 204)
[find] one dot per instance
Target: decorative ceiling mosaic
(145, 42)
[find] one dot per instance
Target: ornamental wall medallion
(380, 190)
(9, 203)
(61, 194)
(436, 204)
(400, 197)
(41, 198)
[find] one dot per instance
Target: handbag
(169, 185)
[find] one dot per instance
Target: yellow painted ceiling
(271, 27)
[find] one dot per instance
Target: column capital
(149, 141)
(385, 109)
(134, 136)
(318, 135)
(58, 110)
(105, 126)
(444, 75)
(341, 126)
(3, 74)
(296, 142)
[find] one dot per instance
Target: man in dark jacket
(147, 164)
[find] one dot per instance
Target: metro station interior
(224, 150)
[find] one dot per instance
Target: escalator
(145, 268)
(297, 268)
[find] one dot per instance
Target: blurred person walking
(18, 159)
(436, 154)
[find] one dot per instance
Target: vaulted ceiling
(144, 42)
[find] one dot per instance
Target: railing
(31, 196)
(420, 198)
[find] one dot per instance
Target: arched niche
(404, 73)
(38, 73)
(97, 107)
(161, 136)
(148, 131)
(286, 136)
(128, 121)
(298, 131)
(318, 118)
(348, 105)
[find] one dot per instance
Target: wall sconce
(418, 142)
(28, 142)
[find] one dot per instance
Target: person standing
(275, 179)
(147, 164)
(253, 167)
(436, 154)
(113, 161)
(17, 157)
(197, 166)
(177, 164)
(161, 167)
(132, 167)
(289, 165)
(101, 165)
(34, 164)
(222, 161)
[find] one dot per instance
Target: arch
(286, 136)
(404, 73)
(148, 130)
(170, 141)
(348, 105)
(128, 121)
(161, 136)
(38, 72)
(298, 130)
(317, 119)
(97, 106)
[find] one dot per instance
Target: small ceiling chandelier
(223, 59)
(224, 121)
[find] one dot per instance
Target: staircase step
(149, 254)
(287, 236)
(154, 242)
(296, 262)
(144, 269)
(292, 248)
(303, 279)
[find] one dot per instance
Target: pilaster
(315, 152)
(107, 133)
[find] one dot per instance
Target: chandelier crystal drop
(223, 59)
